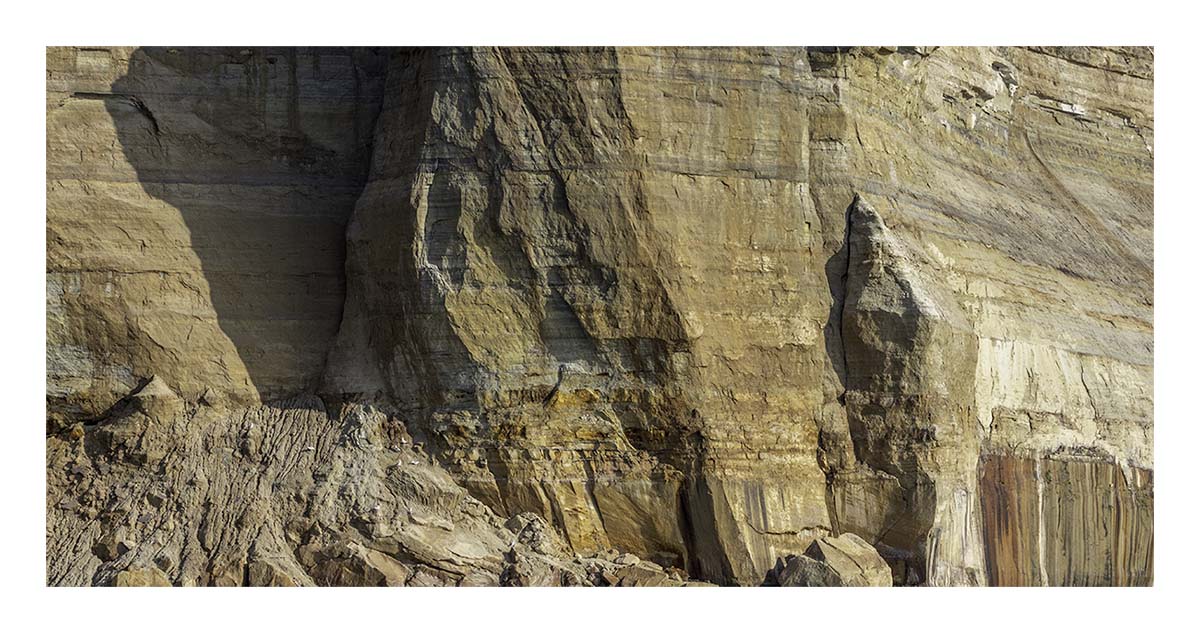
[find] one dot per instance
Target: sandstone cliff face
(197, 203)
(705, 306)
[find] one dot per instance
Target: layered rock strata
(705, 306)
(197, 201)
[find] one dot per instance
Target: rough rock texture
(842, 561)
(163, 492)
(703, 306)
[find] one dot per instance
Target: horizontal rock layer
(704, 305)
(196, 214)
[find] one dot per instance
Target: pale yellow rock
(141, 578)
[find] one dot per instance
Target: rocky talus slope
(594, 316)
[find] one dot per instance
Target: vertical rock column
(910, 359)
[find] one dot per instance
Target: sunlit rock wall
(704, 304)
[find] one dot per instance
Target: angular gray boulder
(842, 561)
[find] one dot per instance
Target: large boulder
(841, 561)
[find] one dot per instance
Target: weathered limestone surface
(706, 306)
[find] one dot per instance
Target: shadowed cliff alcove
(263, 151)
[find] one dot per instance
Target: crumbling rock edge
(165, 492)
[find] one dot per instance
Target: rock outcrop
(690, 309)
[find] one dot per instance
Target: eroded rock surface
(286, 495)
(698, 307)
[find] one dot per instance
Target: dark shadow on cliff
(263, 152)
(837, 272)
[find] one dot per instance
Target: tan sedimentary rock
(842, 561)
(142, 578)
(703, 305)
(286, 495)
(196, 210)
